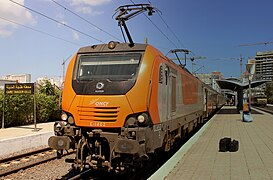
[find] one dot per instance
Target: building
(13, 78)
(211, 79)
(264, 65)
(3, 82)
(20, 78)
(251, 75)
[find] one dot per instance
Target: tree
(18, 109)
(269, 92)
(48, 101)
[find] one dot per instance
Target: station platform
(20, 138)
(200, 158)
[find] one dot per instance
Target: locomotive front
(105, 101)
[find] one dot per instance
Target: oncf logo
(98, 103)
(99, 85)
(101, 103)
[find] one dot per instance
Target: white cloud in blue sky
(88, 10)
(13, 13)
(86, 6)
(75, 36)
(88, 2)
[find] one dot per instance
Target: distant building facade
(264, 65)
(211, 79)
(20, 78)
(13, 78)
(3, 82)
(260, 68)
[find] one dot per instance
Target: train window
(108, 66)
(160, 75)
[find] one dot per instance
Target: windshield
(108, 66)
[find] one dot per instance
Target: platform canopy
(235, 84)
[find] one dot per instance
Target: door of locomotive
(164, 108)
(166, 93)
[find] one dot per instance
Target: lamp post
(63, 64)
(3, 113)
(250, 72)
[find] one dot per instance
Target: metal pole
(249, 90)
(34, 108)
(63, 72)
(63, 64)
(131, 42)
(192, 67)
(3, 115)
(185, 58)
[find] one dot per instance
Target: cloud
(13, 12)
(88, 2)
(61, 19)
(85, 6)
(75, 36)
(88, 10)
(5, 33)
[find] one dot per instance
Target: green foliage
(269, 92)
(47, 107)
(19, 108)
(47, 88)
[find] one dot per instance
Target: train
(123, 104)
(259, 101)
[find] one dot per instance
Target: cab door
(166, 93)
(163, 93)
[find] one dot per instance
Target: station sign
(19, 88)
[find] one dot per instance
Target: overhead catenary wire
(59, 22)
(39, 31)
(173, 33)
(171, 30)
(90, 23)
(158, 29)
(168, 27)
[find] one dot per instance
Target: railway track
(23, 161)
(268, 109)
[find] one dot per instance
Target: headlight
(112, 44)
(131, 122)
(142, 118)
(64, 116)
(71, 120)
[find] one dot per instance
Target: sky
(37, 38)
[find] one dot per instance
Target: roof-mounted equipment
(129, 11)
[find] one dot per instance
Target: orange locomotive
(123, 103)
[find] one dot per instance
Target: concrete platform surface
(200, 158)
(24, 137)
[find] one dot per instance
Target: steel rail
(4, 171)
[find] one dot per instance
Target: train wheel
(59, 154)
